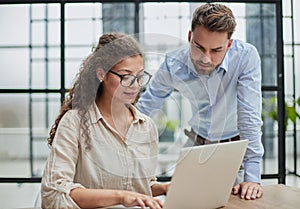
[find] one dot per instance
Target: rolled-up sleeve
(58, 177)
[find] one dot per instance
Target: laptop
(204, 176)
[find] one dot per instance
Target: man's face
(208, 49)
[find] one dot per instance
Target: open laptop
(204, 176)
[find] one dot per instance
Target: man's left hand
(248, 190)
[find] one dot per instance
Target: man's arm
(249, 121)
(159, 88)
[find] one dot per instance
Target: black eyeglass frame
(134, 78)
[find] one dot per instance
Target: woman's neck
(111, 108)
(117, 115)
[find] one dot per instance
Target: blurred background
(42, 44)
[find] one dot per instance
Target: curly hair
(112, 48)
(214, 17)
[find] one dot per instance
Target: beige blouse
(111, 163)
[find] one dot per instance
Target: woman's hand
(160, 189)
(129, 199)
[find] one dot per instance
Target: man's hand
(248, 190)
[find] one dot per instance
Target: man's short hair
(214, 17)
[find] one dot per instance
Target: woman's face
(112, 88)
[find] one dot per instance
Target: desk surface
(275, 197)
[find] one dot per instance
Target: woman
(103, 150)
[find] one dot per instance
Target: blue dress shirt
(224, 104)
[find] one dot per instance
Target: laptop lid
(204, 175)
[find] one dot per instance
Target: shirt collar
(95, 114)
(138, 116)
(224, 64)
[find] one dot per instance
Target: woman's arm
(94, 198)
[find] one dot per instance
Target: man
(221, 77)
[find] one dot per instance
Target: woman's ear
(100, 74)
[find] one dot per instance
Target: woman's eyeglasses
(128, 79)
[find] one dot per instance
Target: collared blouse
(111, 163)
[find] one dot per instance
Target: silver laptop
(204, 176)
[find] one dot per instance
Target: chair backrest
(38, 201)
